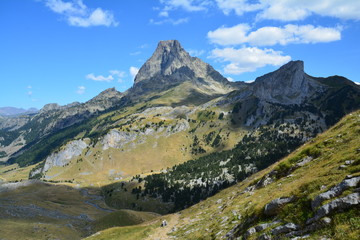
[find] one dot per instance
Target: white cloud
(78, 14)
(100, 78)
(229, 36)
(97, 18)
(292, 10)
(133, 71)
(59, 6)
(269, 36)
(119, 74)
(187, 5)
(114, 74)
(172, 5)
(169, 20)
(163, 14)
(230, 79)
(238, 6)
(80, 90)
(135, 53)
(30, 92)
(248, 59)
(194, 52)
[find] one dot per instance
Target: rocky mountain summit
(170, 66)
(287, 85)
(289, 91)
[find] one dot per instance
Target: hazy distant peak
(9, 111)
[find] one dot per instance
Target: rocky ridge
(53, 117)
(288, 85)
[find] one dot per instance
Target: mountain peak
(289, 84)
(106, 95)
(167, 58)
(169, 45)
(293, 65)
(170, 66)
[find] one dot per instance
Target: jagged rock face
(50, 107)
(275, 205)
(106, 99)
(11, 124)
(335, 191)
(64, 156)
(117, 139)
(75, 112)
(287, 85)
(121, 139)
(171, 65)
(167, 58)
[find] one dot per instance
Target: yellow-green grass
(36, 230)
(98, 167)
(141, 231)
(106, 166)
(13, 172)
(124, 233)
(25, 212)
(123, 218)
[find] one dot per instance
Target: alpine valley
(278, 158)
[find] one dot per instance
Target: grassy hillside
(123, 218)
(155, 132)
(43, 211)
(314, 168)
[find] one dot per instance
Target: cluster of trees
(7, 137)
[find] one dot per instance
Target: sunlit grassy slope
(216, 216)
(42, 211)
(47, 211)
(97, 166)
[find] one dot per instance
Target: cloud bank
(76, 13)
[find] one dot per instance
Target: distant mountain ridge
(11, 111)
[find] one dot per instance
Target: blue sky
(61, 51)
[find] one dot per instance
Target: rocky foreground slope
(311, 194)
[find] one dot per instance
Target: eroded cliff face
(120, 139)
(63, 157)
(288, 85)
